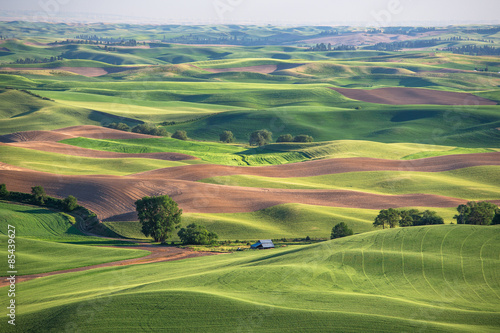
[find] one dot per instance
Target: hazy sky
(366, 12)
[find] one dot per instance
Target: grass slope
(437, 278)
(76, 165)
(281, 221)
(475, 183)
(34, 226)
(36, 256)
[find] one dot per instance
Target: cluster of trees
(37, 61)
(475, 50)
(409, 44)
(160, 216)
(234, 38)
(484, 31)
(264, 137)
(480, 213)
(40, 198)
(407, 30)
(406, 218)
(297, 138)
(329, 33)
(119, 126)
(330, 47)
(149, 129)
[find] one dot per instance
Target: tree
(430, 218)
(409, 217)
(496, 219)
(463, 212)
(39, 195)
(260, 138)
(159, 216)
(150, 129)
(285, 138)
(226, 136)
(70, 203)
(340, 230)
(3, 191)
(119, 126)
(388, 217)
(303, 138)
(481, 213)
(180, 135)
(195, 234)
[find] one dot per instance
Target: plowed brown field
(407, 96)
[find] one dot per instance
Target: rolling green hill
(281, 221)
(419, 278)
(38, 256)
(63, 164)
(272, 154)
(475, 183)
(47, 241)
(36, 221)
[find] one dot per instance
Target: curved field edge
(274, 154)
(439, 278)
(36, 256)
(474, 183)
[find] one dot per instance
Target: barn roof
(264, 244)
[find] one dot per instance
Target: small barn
(263, 244)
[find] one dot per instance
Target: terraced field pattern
(408, 129)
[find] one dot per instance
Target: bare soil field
(406, 96)
(327, 166)
(113, 197)
(97, 132)
(361, 38)
(34, 136)
(61, 148)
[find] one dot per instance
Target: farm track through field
(158, 254)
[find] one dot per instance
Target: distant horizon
(362, 13)
(72, 18)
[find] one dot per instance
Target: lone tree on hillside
(180, 135)
(70, 203)
(195, 234)
(388, 217)
(39, 195)
(340, 230)
(159, 216)
(260, 138)
(227, 137)
(3, 191)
